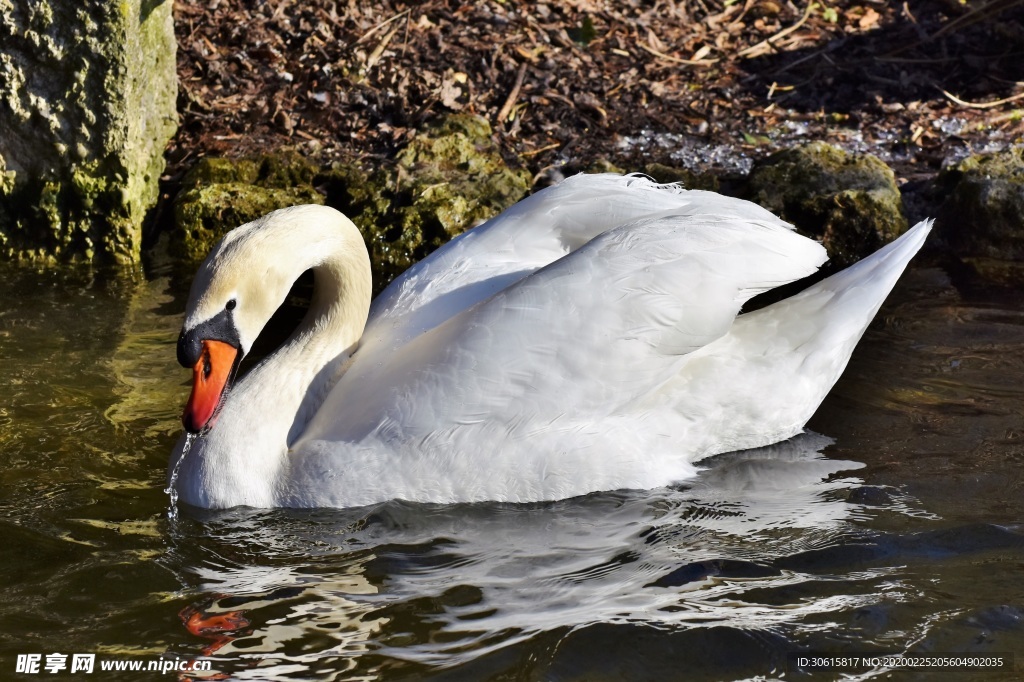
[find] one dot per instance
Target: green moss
(91, 91)
(602, 165)
(983, 215)
(850, 202)
(281, 170)
(367, 199)
(1007, 165)
(446, 180)
(474, 128)
(221, 194)
(1002, 271)
(452, 177)
(215, 171)
(88, 186)
(285, 169)
(47, 207)
(66, 219)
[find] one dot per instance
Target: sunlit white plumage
(586, 339)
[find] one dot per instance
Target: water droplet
(172, 511)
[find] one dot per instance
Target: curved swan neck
(342, 289)
(306, 365)
(256, 265)
(242, 454)
(332, 247)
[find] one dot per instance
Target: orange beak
(210, 377)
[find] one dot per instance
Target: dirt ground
(701, 84)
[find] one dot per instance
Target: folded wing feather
(591, 330)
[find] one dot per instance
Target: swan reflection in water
(441, 585)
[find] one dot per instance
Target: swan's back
(608, 316)
(535, 232)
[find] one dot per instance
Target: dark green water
(897, 530)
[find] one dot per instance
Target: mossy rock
(1008, 273)
(601, 165)
(368, 199)
(217, 171)
(451, 178)
(848, 201)
(682, 176)
(446, 180)
(982, 219)
(282, 170)
(87, 105)
(218, 195)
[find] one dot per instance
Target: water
(894, 526)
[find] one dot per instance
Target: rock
(685, 177)
(218, 195)
(451, 178)
(982, 219)
(445, 181)
(850, 202)
(602, 165)
(368, 200)
(87, 105)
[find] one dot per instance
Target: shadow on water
(900, 531)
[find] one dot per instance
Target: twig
(982, 105)
(405, 41)
(541, 150)
(906, 10)
(374, 57)
(677, 60)
(506, 108)
(973, 16)
(379, 26)
(838, 43)
(918, 60)
(775, 87)
(738, 21)
(768, 43)
(1013, 116)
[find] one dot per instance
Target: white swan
(586, 339)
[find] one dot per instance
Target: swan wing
(530, 235)
(574, 338)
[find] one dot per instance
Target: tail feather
(844, 304)
(880, 270)
(817, 329)
(777, 364)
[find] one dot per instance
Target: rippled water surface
(895, 526)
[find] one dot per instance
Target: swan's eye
(231, 304)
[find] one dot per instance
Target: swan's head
(236, 290)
